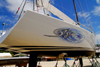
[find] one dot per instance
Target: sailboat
(48, 35)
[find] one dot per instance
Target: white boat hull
(36, 32)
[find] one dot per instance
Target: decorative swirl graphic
(70, 35)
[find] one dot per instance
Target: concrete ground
(86, 63)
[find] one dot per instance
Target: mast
(46, 5)
(76, 13)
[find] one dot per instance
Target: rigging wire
(4, 24)
(81, 5)
(62, 7)
(82, 11)
(87, 5)
(17, 11)
(81, 8)
(21, 3)
(73, 12)
(22, 9)
(89, 19)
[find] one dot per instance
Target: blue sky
(88, 11)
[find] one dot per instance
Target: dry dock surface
(86, 63)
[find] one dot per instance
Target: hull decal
(68, 34)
